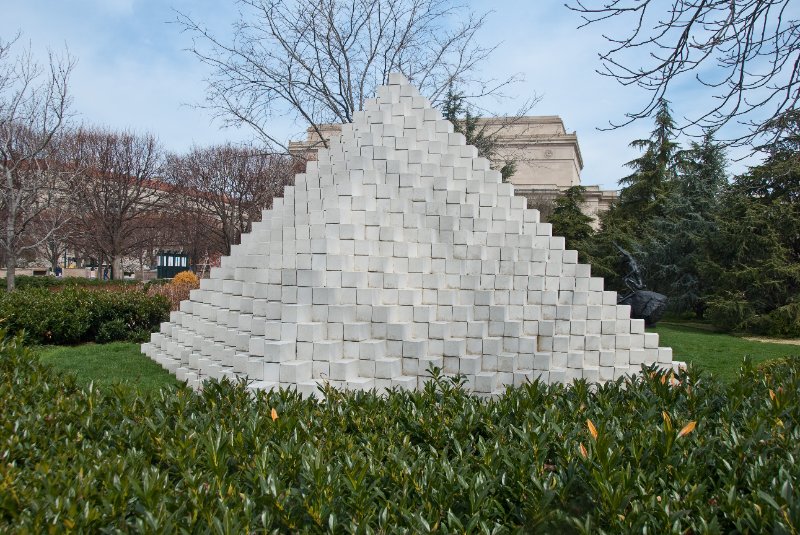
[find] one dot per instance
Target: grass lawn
(720, 354)
(106, 364)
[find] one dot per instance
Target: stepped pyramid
(398, 250)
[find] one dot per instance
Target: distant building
(548, 159)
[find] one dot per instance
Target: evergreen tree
(654, 171)
(675, 249)
(754, 256)
(628, 222)
(704, 174)
(568, 220)
(457, 111)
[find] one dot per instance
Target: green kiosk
(170, 263)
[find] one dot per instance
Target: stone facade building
(548, 158)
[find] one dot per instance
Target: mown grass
(717, 353)
(106, 364)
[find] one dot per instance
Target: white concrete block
(388, 368)
(327, 350)
(295, 371)
(486, 382)
(357, 331)
(415, 349)
(372, 349)
(507, 362)
(279, 350)
(344, 370)
(361, 384)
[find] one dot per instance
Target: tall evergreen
(642, 197)
(653, 171)
(754, 256)
(568, 219)
(676, 244)
(703, 174)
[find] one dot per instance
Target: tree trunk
(11, 254)
(54, 262)
(11, 272)
(116, 268)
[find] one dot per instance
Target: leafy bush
(732, 312)
(728, 312)
(76, 315)
(151, 285)
(782, 321)
(651, 455)
(112, 331)
(26, 282)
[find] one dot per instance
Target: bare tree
(198, 233)
(118, 199)
(746, 52)
(54, 229)
(321, 59)
(34, 104)
(232, 184)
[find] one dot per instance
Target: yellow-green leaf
(592, 429)
(688, 428)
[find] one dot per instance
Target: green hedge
(438, 461)
(24, 282)
(75, 315)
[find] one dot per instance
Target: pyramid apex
(396, 78)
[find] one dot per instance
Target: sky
(134, 72)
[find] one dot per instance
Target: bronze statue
(646, 305)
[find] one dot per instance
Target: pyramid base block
(485, 384)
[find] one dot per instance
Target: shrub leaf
(688, 428)
(592, 429)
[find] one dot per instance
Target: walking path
(787, 341)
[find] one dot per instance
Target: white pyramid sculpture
(398, 250)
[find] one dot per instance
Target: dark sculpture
(646, 305)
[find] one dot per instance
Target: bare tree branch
(745, 52)
(118, 200)
(229, 187)
(320, 60)
(34, 106)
